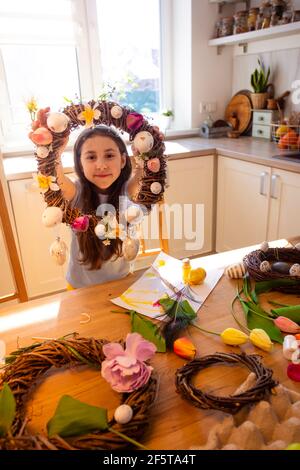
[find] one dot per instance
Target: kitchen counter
(244, 148)
(174, 423)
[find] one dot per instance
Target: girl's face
(101, 161)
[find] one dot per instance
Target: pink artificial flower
(134, 121)
(293, 372)
(81, 223)
(125, 370)
(286, 325)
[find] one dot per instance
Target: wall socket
(207, 107)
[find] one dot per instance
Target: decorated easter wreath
(29, 364)
(232, 403)
(50, 132)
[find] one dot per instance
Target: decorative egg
(81, 224)
(42, 152)
(235, 271)
(264, 246)
(281, 267)
(134, 121)
(143, 141)
(58, 251)
(153, 165)
(133, 214)
(57, 122)
(156, 187)
(116, 112)
(265, 266)
(41, 136)
(295, 270)
(289, 346)
(296, 357)
(297, 246)
(130, 248)
(100, 231)
(123, 414)
(52, 216)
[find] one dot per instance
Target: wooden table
(175, 424)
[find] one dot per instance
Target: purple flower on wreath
(134, 121)
(126, 370)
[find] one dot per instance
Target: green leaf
(179, 309)
(67, 99)
(292, 312)
(255, 321)
(7, 409)
(148, 330)
(73, 418)
(266, 286)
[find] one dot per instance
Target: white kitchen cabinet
(255, 203)
(242, 203)
(42, 275)
(189, 206)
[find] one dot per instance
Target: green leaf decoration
(7, 409)
(292, 312)
(73, 418)
(266, 286)
(148, 330)
(180, 310)
(255, 321)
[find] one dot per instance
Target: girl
(104, 173)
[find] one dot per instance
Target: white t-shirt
(78, 275)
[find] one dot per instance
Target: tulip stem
(128, 439)
(244, 328)
(206, 331)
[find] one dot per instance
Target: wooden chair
(21, 292)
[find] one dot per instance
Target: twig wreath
(50, 132)
(232, 403)
(32, 363)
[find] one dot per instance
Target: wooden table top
(175, 423)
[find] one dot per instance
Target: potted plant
(259, 83)
(167, 117)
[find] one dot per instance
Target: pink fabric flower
(134, 121)
(286, 325)
(81, 223)
(293, 372)
(125, 370)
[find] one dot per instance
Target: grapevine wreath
(49, 133)
(26, 366)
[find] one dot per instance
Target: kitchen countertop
(244, 148)
(174, 422)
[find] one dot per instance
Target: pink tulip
(134, 121)
(293, 372)
(41, 136)
(81, 224)
(286, 325)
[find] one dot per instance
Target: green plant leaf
(179, 309)
(73, 418)
(255, 321)
(148, 330)
(266, 286)
(292, 312)
(7, 409)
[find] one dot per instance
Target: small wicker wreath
(253, 260)
(49, 141)
(34, 362)
(232, 403)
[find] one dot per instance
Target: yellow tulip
(234, 337)
(261, 339)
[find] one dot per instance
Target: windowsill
(26, 149)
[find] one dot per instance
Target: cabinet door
(242, 203)
(42, 275)
(284, 220)
(189, 206)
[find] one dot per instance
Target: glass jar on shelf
(217, 29)
(226, 26)
(287, 16)
(252, 18)
(266, 12)
(240, 22)
(296, 16)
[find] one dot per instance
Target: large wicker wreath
(50, 133)
(32, 363)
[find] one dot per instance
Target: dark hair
(92, 251)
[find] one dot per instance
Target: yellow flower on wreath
(89, 114)
(45, 183)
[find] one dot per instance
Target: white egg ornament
(143, 141)
(123, 414)
(264, 246)
(133, 214)
(156, 187)
(58, 251)
(57, 122)
(265, 266)
(295, 270)
(52, 216)
(130, 248)
(42, 152)
(116, 112)
(100, 231)
(235, 271)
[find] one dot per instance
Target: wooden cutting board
(240, 105)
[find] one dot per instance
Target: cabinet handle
(259, 131)
(273, 187)
(261, 118)
(262, 183)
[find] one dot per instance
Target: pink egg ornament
(153, 165)
(41, 136)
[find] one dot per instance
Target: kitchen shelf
(244, 38)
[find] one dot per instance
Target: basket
(253, 260)
(286, 136)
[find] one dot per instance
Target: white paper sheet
(143, 293)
